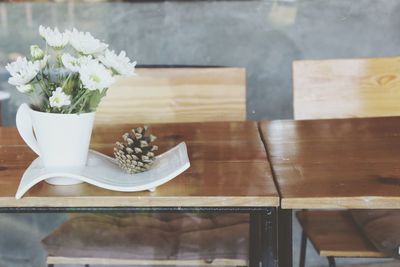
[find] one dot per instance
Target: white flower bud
(27, 88)
(36, 52)
(43, 61)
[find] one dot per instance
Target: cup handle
(25, 127)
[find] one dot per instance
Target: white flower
(36, 52)
(120, 64)
(85, 43)
(74, 64)
(54, 38)
(43, 61)
(95, 76)
(27, 88)
(22, 71)
(59, 99)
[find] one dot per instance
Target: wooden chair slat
(346, 88)
(345, 241)
(176, 95)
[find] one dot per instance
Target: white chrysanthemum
(119, 63)
(59, 98)
(72, 63)
(27, 88)
(22, 71)
(85, 43)
(36, 52)
(54, 38)
(95, 76)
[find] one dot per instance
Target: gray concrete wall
(264, 36)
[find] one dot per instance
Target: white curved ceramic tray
(103, 171)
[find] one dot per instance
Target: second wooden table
(334, 164)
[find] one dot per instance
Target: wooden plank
(10, 136)
(346, 88)
(209, 141)
(133, 262)
(353, 202)
(159, 95)
(334, 233)
(22, 156)
(204, 184)
(166, 132)
(381, 228)
(164, 238)
(176, 132)
(346, 163)
(223, 172)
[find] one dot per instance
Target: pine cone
(136, 153)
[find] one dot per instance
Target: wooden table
(329, 164)
(229, 173)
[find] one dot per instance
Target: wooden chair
(342, 89)
(176, 95)
(165, 95)
(348, 88)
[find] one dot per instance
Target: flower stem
(80, 98)
(43, 85)
(66, 80)
(83, 105)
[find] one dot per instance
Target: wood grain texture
(133, 262)
(229, 167)
(345, 241)
(345, 163)
(381, 227)
(194, 239)
(158, 95)
(346, 88)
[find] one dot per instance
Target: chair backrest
(176, 95)
(346, 88)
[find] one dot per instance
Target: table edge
(351, 202)
(140, 201)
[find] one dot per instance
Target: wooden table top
(229, 168)
(346, 163)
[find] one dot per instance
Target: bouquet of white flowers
(71, 75)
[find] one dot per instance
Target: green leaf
(71, 84)
(94, 100)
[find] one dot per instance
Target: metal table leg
(254, 240)
(263, 239)
(285, 238)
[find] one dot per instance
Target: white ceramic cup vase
(60, 140)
